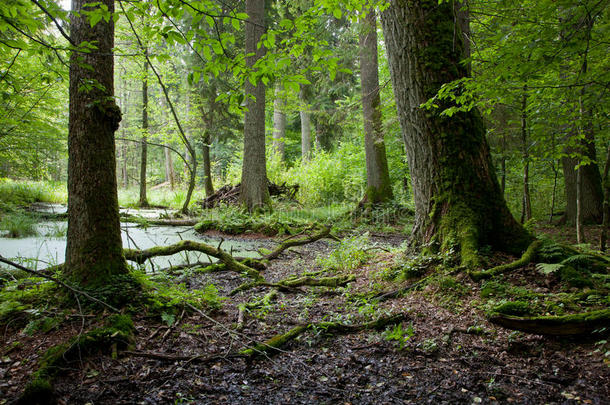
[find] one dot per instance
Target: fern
(548, 268)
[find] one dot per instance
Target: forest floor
(445, 352)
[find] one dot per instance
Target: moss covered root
(528, 257)
(117, 332)
(575, 324)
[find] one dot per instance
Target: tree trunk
(279, 123)
(379, 188)
(254, 190)
(458, 201)
(94, 251)
(526, 208)
(144, 146)
(305, 126)
(207, 165)
(606, 214)
(170, 173)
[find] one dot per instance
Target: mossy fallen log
(278, 341)
(528, 257)
(294, 283)
(565, 325)
(286, 244)
(140, 256)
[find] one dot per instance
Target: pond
(48, 247)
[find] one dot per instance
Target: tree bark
(305, 126)
(526, 208)
(279, 123)
(143, 145)
(458, 201)
(207, 164)
(379, 188)
(94, 250)
(170, 173)
(606, 212)
(254, 191)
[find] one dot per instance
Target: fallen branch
(528, 257)
(280, 340)
(323, 233)
(140, 256)
(576, 324)
(294, 283)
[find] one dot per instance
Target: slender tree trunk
(606, 214)
(379, 188)
(143, 145)
(458, 201)
(94, 251)
(170, 173)
(305, 126)
(125, 171)
(207, 165)
(279, 122)
(254, 188)
(526, 209)
(555, 175)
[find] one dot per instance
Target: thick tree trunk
(458, 201)
(254, 190)
(606, 214)
(305, 126)
(592, 194)
(379, 188)
(94, 250)
(144, 146)
(279, 123)
(207, 165)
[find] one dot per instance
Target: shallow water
(49, 246)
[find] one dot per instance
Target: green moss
(518, 308)
(38, 392)
(575, 278)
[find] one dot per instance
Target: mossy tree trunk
(379, 188)
(94, 251)
(254, 189)
(458, 201)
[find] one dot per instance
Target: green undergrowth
(160, 197)
(115, 333)
(15, 194)
(285, 219)
(18, 224)
(348, 255)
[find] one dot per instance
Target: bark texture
(279, 123)
(254, 192)
(305, 126)
(592, 196)
(207, 165)
(94, 251)
(458, 201)
(143, 144)
(379, 188)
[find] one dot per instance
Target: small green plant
(399, 335)
(351, 253)
(18, 224)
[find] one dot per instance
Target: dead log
(140, 256)
(230, 194)
(293, 283)
(565, 325)
(278, 341)
(286, 244)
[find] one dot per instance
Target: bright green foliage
(18, 225)
(351, 253)
(399, 335)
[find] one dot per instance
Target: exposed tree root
(323, 233)
(280, 340)
(140, 256)
(528, 257)
(576, 324)
(293, 283)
